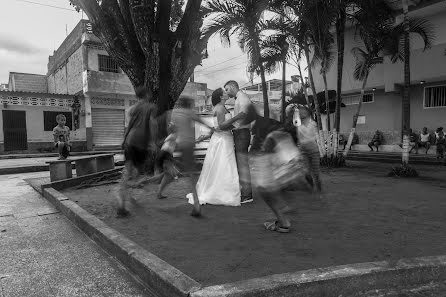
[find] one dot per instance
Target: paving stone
(26, 285)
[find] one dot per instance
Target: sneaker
(246, 200)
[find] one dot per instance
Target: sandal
(274, 226)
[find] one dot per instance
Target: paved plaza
(43, 254)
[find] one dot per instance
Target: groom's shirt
(242, 103)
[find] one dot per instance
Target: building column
(88, 122)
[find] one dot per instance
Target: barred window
(435, 96)
(107, 64)
(49, 120)
(354, 99)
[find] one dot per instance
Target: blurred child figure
(62, 137)
(281, 166)
(307, 135)
(184, 118)
(138, 140)
(441, 145)
(165, 160)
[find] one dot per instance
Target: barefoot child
(166, 162)
(139, 137)
(62, 137)
(280, 167)
(183, 118)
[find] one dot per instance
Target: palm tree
(317, 16)
(243, 17)
(399, 46)
(366, 60)
(274, 52)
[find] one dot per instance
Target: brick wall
(67, 79)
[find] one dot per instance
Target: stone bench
(62, 169)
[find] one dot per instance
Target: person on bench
(62, 137)
(425, 140)
(376, 140)
(413, 141)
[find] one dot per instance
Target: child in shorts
(165, 161)
(184, 118)
(62, 137)
(140, 136)
(281, 166)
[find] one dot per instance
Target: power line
(230, 59)
(47, 5)
(219, 70)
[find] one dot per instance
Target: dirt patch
(367, 217)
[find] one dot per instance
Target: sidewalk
(43, 254)
(13, 166)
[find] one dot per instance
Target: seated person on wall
(344, 140)
(425, 139)
(376, 140)
(413, 141)
(440, 129)
(441, 145)
(62, 137)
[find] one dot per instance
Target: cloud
(18, 46)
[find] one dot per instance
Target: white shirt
(424, 137)
(241, 105)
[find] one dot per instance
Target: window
(354, 99)
(49, 120)
(107, 64)
(361, 120)
(435, 97)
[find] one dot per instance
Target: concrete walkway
(43, 254)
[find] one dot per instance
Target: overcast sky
(29, 32)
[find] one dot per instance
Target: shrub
(403, 170)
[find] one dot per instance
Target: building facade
(382, 108)
(84, 80)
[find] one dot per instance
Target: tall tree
(317, 16)
(244, 18)
(154, 42)
(399, 45)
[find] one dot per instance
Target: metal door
(14, 130)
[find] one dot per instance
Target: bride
(219, 182)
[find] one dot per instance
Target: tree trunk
(327, 100)
(265, 92)
(305, 89)
(340, 33)
(406, 91)
(313, 88)
(355, 119)
(283, 89)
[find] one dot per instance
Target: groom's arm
(227, 124)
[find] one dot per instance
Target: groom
(242, 136)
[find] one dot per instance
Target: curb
(158, 275)
(345, 280)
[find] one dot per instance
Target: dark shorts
(163, 157)
(136, 155)
(187, 157)
(423, 144)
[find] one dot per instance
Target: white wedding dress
(218, 183)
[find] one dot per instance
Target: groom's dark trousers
(242, 139)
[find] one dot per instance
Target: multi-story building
(382, 108)
(83, 81)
